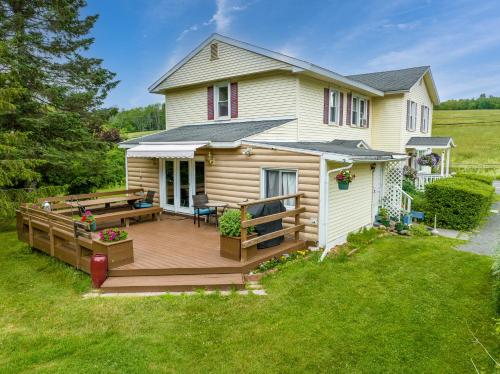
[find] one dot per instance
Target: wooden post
(448, 154)
(442, 163)
(243, 231)
(297, 216)
(30, 232)
(51, 240)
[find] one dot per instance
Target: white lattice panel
(393, 181)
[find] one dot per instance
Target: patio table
(217, 205)
(105, 200)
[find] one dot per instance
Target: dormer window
(214, 51)
(222, 101)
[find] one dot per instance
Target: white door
(181, 178)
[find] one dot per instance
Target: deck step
(158, 283)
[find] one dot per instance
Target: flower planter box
(230, 247)
(118, 253)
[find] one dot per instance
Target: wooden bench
(155, 212)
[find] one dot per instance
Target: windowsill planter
(230, 247)
(119, 252)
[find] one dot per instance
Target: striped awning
(164, 150)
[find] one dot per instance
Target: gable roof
(392, 80)
(430, 141)
(210, 132)
(301, 65)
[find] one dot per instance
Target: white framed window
(222, 100)
(412, 120)
(359, 112)
(334, 107)
(424, 126)
(277, 182)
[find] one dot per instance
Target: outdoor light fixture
(248, 151)
(210, 158)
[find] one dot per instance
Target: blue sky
(140, 40)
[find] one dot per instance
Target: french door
(181, 178)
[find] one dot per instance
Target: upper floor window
(424, 125)
(359, 112)
(411, 120)
(334, 107)
(222, 101)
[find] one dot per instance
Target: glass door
(182, 179)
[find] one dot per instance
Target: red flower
(84, 218)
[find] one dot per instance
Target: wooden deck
(175, 246)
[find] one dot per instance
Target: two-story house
(243, 122)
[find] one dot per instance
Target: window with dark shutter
(234, 100)
(408, 109)
(326, 103)
(210, 102)
(367, 113)
(341, 109)
(348, 116)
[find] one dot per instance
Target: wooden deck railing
(56, 235)
(295, 228)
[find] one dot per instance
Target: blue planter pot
(93, 226)
(343, 185)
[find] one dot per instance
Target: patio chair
(200, 208)
(147, 202)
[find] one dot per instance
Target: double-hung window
(424, 126)
(334, 107)
(222, 100)
(359, 112)
(279, 182)
(412, 119)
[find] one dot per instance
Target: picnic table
(104, 200)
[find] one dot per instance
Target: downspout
(325, 220)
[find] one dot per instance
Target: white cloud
(222, 18)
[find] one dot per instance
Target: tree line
(151, 117)
(481, 102)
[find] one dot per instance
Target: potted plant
(427, 162)
(230, 236)
(115, 244)
(89, 219)
(384, 217)
(343, 179)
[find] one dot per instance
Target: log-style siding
(144, 173)
(235, 177)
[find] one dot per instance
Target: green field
(475, 132)
(399, 305)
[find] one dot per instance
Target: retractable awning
(164, 150)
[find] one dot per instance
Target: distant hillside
(148, 118)
(482, 102)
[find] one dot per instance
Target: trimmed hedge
(477, 177)
(457, 202)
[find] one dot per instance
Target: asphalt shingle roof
(212, 132)
(431, 141)
(393, 80)
(333, 147)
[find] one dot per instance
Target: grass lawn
(131, 135)
(399, 305)
(476, 133)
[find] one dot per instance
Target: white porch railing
(406, 202)
(423, 179)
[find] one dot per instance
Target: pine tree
(51, 93)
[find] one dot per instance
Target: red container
(98, 269)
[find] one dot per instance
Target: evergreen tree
(50, 95)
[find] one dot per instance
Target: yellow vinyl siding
(388, 121)
(235, 177)
(286, 132)
(267, 96)
(232, 62)
(144, 173)
(349, 210)
(419, 94)
(310, 116)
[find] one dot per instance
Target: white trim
(358, 111)
(323, 190)
(296, 63)
(126, 170)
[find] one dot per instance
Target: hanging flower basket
(343, 179)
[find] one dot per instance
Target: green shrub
(418, 203)
(495, 271)
(409, 186)
(363, 237)
(419, 230)
(230, 223)
(477, 177)
(458, 203)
